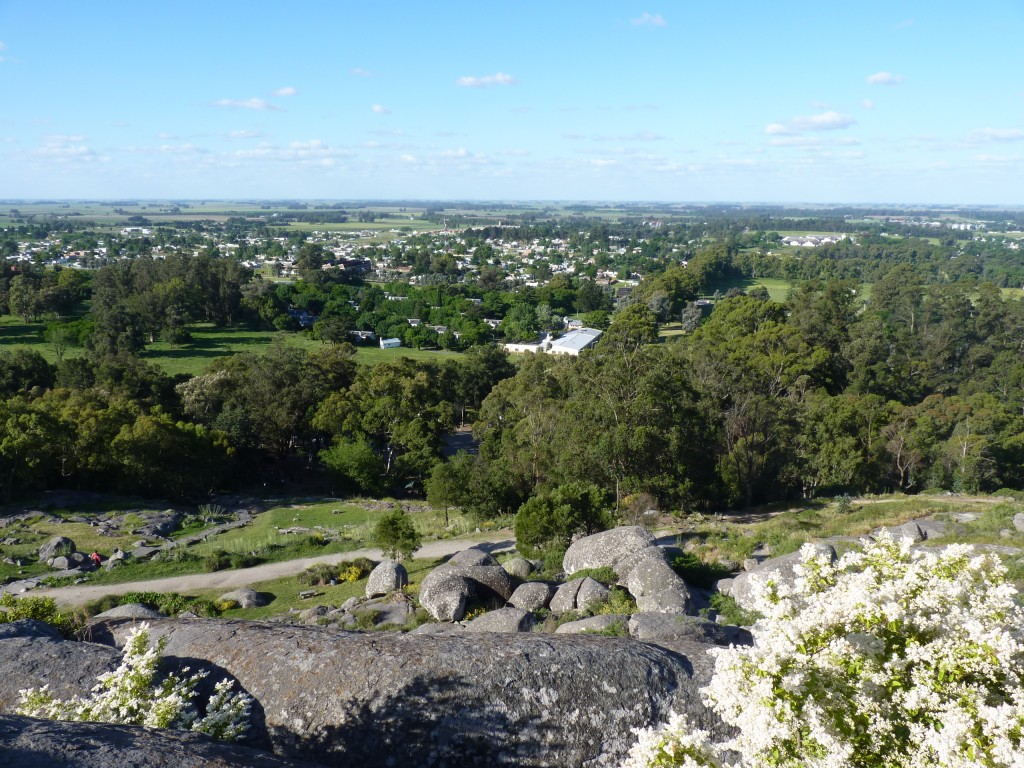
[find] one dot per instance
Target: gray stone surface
(33, 654)
(131, 611)
(592, 624)
(472, 556)
(591, 594)
(673, 600)
(781, 569)
(490, 581)
(605, 549)
(437, 629)
(462, 699)
(388, 576)
(444, 595)
(564, 598)
(246, 598)
(651, 574)
(56, 545)
(654, 627)
(1018, 522)
(26, 742)
(909, 530)
(532, 596)
(518, 568)
(502, 620)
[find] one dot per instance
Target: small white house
(390, 343)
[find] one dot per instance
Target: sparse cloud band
(498, 78)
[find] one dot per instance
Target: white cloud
(884, 78)
(997, 134)
(66, 149)
(360, 72)
(245, 134)
(260, 104)
(380, 109)
(286, 91)
(825, 121)
(498, 78)
(868, 104)
(649, 20)
(182, 149)
(640, 136)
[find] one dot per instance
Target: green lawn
(208, 343)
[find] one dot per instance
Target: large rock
(564, 598)
(386, 578)
(490, 581)
(58, 545)
(463, 699)
(532, 596)
(472, 556)
(605, 549)
(676, 600)
(502, 620)
(592, 624)
(591, 594)
(245, 598)
(656, 627)
(783, 570)
(26, 742)
(33, 654)
(131, 611)
(1018, 522)
(160, 524)
(518, 568)
(444, 595)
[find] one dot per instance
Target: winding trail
(78, 594)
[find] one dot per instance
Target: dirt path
(243, 577)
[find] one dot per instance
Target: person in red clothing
(96, 559)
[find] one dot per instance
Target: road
(226, 581)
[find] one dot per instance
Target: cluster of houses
(812, 241)
(572, 343)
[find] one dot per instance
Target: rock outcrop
(26, 742)
(782, 569)
(465, 699)
(387, 577)
(33, 654)
(606, 549)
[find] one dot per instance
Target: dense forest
(918, 386)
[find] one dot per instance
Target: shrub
(217, 561)
(890, 657)
(318, 574)
(40, 608)
(693, 570)
(396, 535)
(134, 695)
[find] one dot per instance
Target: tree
(355, 465)
(396, 536)
(631, 328)
(521, 323)
(547, 522)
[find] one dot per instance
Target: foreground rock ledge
(26, 742)
(387, 699)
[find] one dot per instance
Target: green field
(208, 343)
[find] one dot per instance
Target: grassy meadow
(207, 344)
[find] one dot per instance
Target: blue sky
(901, 102)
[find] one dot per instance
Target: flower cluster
(891, 657)
(132, 695)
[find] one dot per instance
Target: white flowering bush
(891, 657)
(133, 695)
